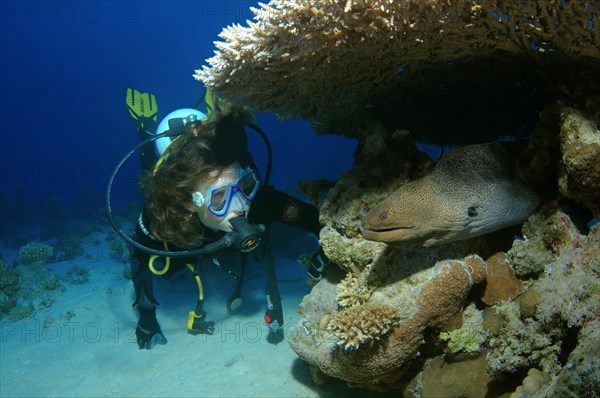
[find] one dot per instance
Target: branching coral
(362, 324)
(352, 291)
(35, 253)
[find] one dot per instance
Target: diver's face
(216, 189)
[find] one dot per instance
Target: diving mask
(219, 196)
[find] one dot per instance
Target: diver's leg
(147, 332)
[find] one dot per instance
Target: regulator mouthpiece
(246, 236)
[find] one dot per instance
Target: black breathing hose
(230, 239)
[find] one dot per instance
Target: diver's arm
(273, 205)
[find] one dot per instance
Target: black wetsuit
(268, 205)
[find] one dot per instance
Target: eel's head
(416, 214)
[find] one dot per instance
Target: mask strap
(198, 199)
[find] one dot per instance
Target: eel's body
(471, 191)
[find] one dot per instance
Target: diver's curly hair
(192, 157)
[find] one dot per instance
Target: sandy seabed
(84, 345)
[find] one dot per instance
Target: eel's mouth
(387, 234)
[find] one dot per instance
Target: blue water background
(65, 67)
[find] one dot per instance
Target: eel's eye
(472, 211)
(383, 215)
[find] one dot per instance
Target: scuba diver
(203, 195)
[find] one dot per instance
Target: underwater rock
(35, 253)
(428, 299)
(546, 234)
(465, 379)
(528, 257)
(382, 163)
(501, 284)
(580, 377)
(534, 381)
(233, 360)
(470, 192)
(492, 321)
(564, 296)
(528, 302)
(522, 344)
(567, 291)
(470, 337)
(579, 176)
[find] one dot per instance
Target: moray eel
(471, 191)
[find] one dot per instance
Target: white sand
(92, 352)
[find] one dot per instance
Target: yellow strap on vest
(167, 263)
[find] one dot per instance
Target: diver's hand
(148, 332)
(316, 265)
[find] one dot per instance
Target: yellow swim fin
(142, 109)
(212, 102)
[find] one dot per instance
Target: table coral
(328, 60)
